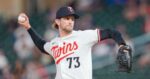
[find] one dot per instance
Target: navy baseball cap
(66, 11)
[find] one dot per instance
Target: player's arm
(38, 41)
(112, 34)
(124, 56)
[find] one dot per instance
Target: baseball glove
(124, 59)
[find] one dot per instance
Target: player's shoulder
(52, 41)
(84, 31)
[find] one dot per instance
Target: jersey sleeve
(47, 47)
(91, 36)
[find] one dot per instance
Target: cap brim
(54, 25)
(76, 16)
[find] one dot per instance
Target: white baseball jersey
(72, 54)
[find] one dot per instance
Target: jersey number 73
(73, 59)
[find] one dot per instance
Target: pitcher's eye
(67, 18)
(72, 18)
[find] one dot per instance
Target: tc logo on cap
(70, 9)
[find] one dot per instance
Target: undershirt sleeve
(112, 34)
(38, 41)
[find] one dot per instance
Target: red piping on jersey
(57, 62)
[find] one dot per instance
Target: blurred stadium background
(20, 59)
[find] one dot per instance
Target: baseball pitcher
(71, 50)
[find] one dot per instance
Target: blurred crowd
(20, 58)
